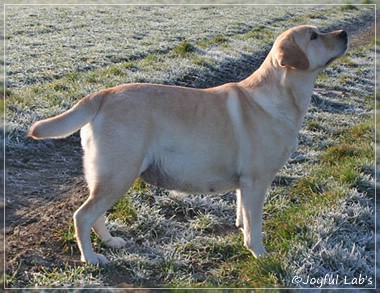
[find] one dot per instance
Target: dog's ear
(289, 54)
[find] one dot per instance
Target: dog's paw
(257, 250)
(95, 258)
(115, 242)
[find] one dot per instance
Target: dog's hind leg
(101, 230)
(91, 214)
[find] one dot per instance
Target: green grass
(315, 125)
(348, 7)
(123, 210)
(261, 33)
(67, 237)
(213, 41)
(183, 49)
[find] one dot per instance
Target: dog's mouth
(331, 61)
(344, 49)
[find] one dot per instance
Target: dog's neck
(298, 88)
(294, 87)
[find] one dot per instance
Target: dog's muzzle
(343, 37)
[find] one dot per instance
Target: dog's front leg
(252, 202)
(239, 210)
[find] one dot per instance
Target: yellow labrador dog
(232, 137)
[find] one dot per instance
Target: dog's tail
(70, 121)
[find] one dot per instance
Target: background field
(319, 213)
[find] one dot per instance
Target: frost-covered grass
(343, 235)
(319, 212)
(89, 37)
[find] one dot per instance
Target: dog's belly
(208, 180)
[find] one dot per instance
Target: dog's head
(306, 48)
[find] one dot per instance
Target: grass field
(319, 212)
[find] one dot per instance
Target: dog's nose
(342, 35)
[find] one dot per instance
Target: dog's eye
(314, 36)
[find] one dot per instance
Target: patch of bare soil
(44, 186)
(43, 189)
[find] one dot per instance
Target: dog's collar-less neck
(295, 91)
(299, 88)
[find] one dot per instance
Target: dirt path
(43, 188)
